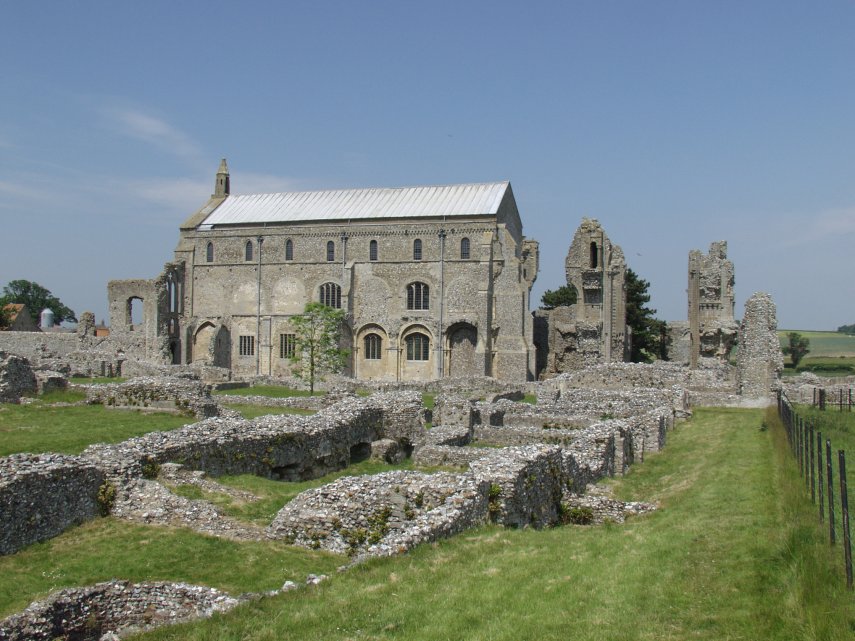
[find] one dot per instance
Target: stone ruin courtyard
(486, 458)
(480, 455)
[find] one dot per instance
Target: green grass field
(41, 428)
(831, 354)
(733, 553)
(824, 344)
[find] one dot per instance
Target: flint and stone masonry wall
(759, 362)
(41, 495)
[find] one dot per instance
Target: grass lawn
(272, 391)
(41, 428)
(104, 549)
(733, 553)
(275, 494)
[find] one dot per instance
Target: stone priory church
(434, 281)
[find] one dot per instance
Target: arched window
(418, 347)
(289, 249)
(209, 253)
(464, 248)
(330, 295)
(248, 250)
(372, 250)
(330, 251)
(593, 255)
(418, 296)
(417, 249)
(373, 347)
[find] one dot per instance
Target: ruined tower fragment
(710, 331)
(594, 329)
(759, 362)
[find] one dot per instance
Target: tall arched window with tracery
(417, 249)
(289, 249)
(418, 296)
(248, 251)
(418, 347)
(372, 250)
(373, 347)
(209, 253)
(330, 295)
(330, 251)
(464, 248)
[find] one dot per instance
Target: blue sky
(674, 123)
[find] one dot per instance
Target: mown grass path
(733, 553)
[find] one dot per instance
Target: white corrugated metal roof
(352, 204)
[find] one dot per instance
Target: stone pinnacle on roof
(222, 187)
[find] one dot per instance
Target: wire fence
(816, 466)
(837, 398)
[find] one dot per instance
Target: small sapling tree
(797, 346)
(317, 334)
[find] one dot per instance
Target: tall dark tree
(648, 332)
(36, 298)
(564, 295)
(797, 347)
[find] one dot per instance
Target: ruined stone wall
(41, 495)
(759, 362)
(711, 331)
(85, 614)
(156, 393)
(16, 378)
(593, 330)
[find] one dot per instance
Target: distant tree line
(36, 298)
(846, 329)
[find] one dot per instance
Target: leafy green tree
(648, 333)
(797, 346)
(552, 298)
(4, 317)
(36, 298)
(846, 329)
(317, 334)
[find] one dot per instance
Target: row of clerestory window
(418, 295)
(373, 253)
(418, 346)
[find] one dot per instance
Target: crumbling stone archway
(134, 312)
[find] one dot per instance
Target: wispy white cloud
(135, 123)
(804, 229)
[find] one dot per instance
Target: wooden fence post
(844, 506)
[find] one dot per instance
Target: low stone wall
(86, 614)
(41, 495)
(383, 513)
(156, 393)
(525, 484)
